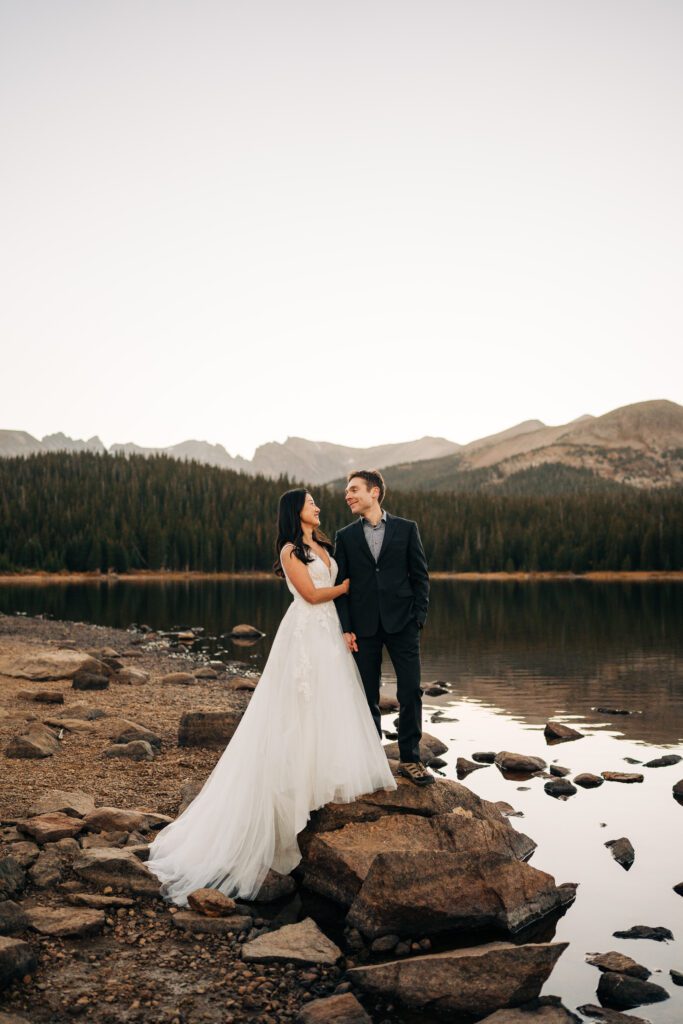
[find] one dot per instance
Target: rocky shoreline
(413, 905)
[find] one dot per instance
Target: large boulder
(43, 664)
(472, 981)
(424, 892)
(337, 863)
(207, 728)
(16, 960)
(120, 869)
(301, 943)
(36, 742)
(428, 801)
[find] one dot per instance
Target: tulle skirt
(306, 738)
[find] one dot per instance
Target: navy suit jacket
(389, 592)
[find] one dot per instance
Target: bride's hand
(345, 586)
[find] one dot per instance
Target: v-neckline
(316, 555)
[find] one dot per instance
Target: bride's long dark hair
(289, 529)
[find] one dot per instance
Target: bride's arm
(301, 580)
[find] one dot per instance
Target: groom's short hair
(373, 478)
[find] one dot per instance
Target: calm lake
(513, 655)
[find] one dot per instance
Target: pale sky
(357, 222)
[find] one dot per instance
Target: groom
(386, 606)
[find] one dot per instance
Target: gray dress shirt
(374, 535)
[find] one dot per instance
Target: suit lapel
(389, 528)
(362, 542)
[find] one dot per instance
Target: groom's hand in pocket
(350, 639)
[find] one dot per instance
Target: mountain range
(640, 445)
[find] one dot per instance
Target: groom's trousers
(404, 651)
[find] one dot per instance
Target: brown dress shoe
(416, 772)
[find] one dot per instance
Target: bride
(306, 738)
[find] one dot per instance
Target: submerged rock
(644, 931)
(473, 981)
(465, 767)
(559, 771)
(623, 992)
(663, 762)
(588, 781)
(525, 764)
(560, 788)
(622, 777)
(619, 963)
(622, 851)
(558, 733)
(485, 756)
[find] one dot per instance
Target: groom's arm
(418, 574)
(342, 603)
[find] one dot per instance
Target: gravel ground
(141, 967)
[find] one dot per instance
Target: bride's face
(310, 513)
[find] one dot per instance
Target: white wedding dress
(306, 738)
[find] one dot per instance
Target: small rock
(622, 851)
(206, 673)
(74, 803)
(507, 810)
(560, 788)
(43, 696)
(678, 888)
(107, 819)
(242, 683)
(244, 632)
(12, 918)
(622, 992)
(211, 902)
(16, 960)
(274, 887)
(588, 781)
(70, 724)
(337, 1009)
(90, 681)
(437, 690)
(137, 750)
(622, 777)
(484, 756)
(388, 704)
(207, 728)
(189, 921)
(614, 711)
(25, 853)
(618, 963)
(178, 679)
(131, 677)
(644, 931)
(47, 870)
(545, 1010)
(119, 868)
(559, 733)
(676, 976)
(12, 878)
(526, 764)
(663, 762)
(121, 730)
(678, 790)
(38, 741)
(63, 921)
(558, 771)
(301, 943)
(385, 943)
(464, 767)
(430, 747)
(97, 901)
(607, 1016)
(48, 828)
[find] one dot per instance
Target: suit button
(376, 570)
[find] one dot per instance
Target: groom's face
(359, 496)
